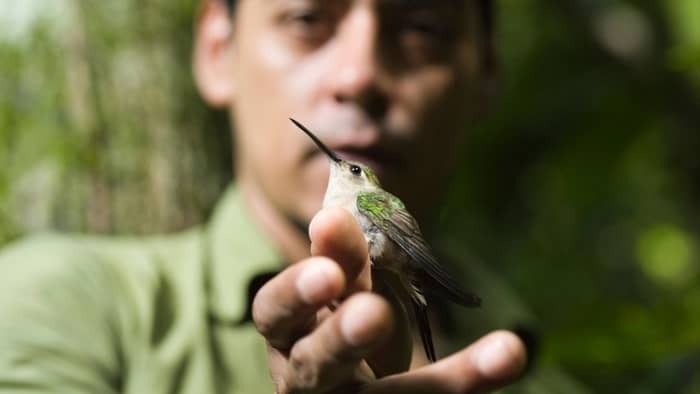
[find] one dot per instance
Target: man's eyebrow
(421, 3)
(485, 8)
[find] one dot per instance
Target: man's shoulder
(79, 306)
(58, 249)
(40, 264)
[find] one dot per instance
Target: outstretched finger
(329, 357)
(285, 308)
(492, 362)
(336, 234)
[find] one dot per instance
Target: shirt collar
(238, 253)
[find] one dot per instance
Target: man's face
(389, 83)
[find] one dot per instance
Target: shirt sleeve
(56, 333)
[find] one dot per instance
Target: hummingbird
(394, 241)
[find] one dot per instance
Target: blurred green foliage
(581, 187)
(100, 119)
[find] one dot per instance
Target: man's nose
(355, 71)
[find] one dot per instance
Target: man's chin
(311, 201)
(303, 216)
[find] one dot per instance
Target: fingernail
(311, 226)
(500, 357)
(314, 284)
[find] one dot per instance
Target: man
(223, 307)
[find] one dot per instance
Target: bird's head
(349, 174)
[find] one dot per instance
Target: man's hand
(362, 343)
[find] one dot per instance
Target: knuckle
(260, 316)
(303, 372)
(272, 323)
(265, 328)
(281, 386)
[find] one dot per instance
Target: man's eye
(307, 18)
(425, 40)
(311, 27)
(429, 29)
(426, 28)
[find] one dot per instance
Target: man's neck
(292, 241)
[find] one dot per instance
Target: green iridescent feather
(371, 176)
(388, 212)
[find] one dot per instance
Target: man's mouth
(364, 144)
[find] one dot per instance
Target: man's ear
(212, 56)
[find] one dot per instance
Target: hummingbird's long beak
(318, 142)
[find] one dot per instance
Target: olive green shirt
(165, 314)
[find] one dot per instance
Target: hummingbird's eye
(356, 170)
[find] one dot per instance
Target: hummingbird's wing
(387, 212)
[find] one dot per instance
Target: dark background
(581, 187)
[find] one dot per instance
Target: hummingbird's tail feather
(421, 314)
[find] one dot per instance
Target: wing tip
(472, 301)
